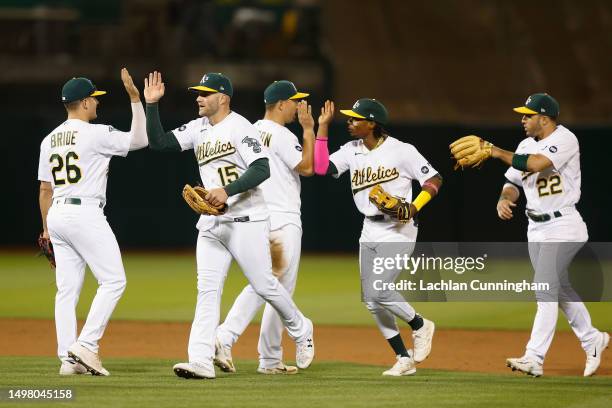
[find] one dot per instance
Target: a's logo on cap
(542, 110)
(528, 101)
(371, 115)
(204, 78)
(356, 105)
(63, 98)
(222, 88)
(552, 149)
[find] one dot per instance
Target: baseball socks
(397, 344)
(416, 323)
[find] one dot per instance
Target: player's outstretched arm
(507, 200)
(45, 197)
(159, 140)
(138, 130)
(306, 166)
(322, 165)
(525, 162)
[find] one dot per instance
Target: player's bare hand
(216, 196)
(154, 87)
(130, 88)
(504, 209)
(327, 113)
(304, 112)
(45, 234)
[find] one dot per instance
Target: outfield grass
(137, 382)
(161, 287)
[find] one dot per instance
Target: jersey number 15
(227, 174)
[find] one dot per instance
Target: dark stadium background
(443, 70)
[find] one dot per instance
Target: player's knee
(116, 285)
(373, 307)
(266, 288)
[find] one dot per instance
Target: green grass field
(152, 383)
(161, 287)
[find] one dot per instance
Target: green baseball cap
(79, 88)
(215, 82)
(281, 91)
(369, 109)
(540, 104)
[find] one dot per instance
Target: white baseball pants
(552, 246)
(81, 236)
(247, 243)
(374, 235)
(248, 303)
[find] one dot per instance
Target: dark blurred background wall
(444, 69)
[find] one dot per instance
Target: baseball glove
(396, 207)
(46, 249)
(470, 151)
(195, 198)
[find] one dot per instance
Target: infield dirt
(461, 350)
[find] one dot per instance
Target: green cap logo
(282, 91)
(215, 82)
(79, 88)
(540, 104)
(368, 109)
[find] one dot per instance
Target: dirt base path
(461, 350)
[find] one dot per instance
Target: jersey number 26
(73, 172)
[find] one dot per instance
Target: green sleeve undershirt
(158, 139)
(256, 174)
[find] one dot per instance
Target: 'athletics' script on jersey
(66, 138)
(367, 177)
(206, 152)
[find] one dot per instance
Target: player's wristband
(422, 199)
(519, 161)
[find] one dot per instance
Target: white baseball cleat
(403, 366)
(90, 360)
(525, 365)
(71, 367)
(422, 340)
(195, 370)
(594, 356)
(305, 349)
(223, 358)
(279, 369)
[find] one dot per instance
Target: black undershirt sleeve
(331, 169)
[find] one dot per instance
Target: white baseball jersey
(394, 164)
(224, 152)
(558, 186)
(75, 156)
(282, 189)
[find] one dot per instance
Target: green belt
(543, 217)
(77, 201)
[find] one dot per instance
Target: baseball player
(232, 164)
(376, 159)
(546, 165)
(288, 160)
(73, 171)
